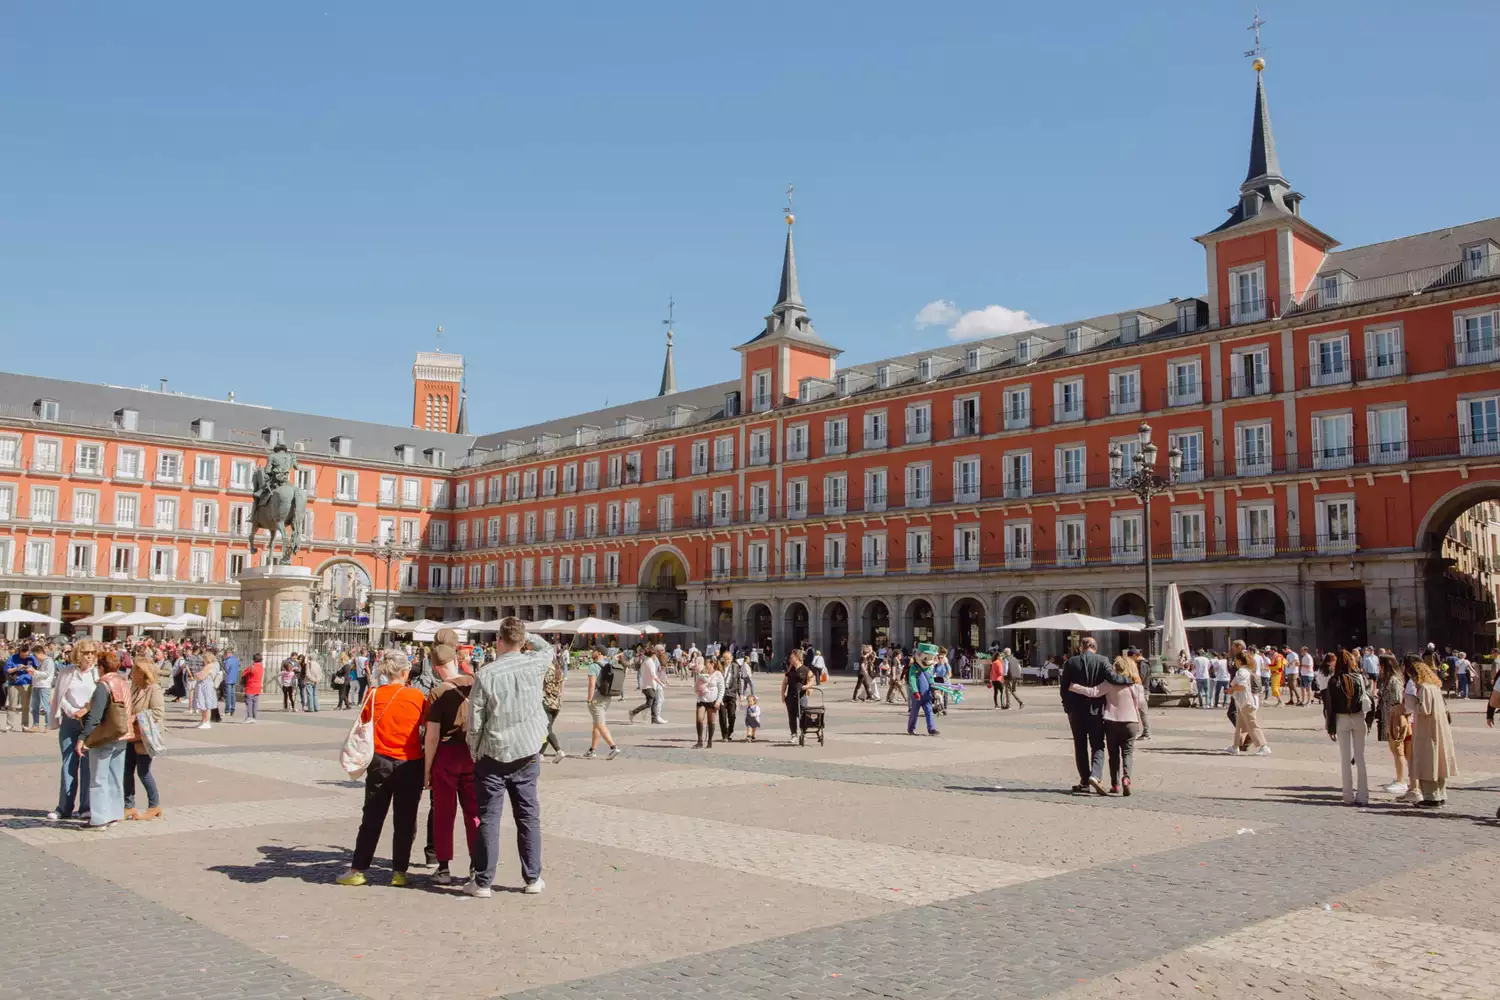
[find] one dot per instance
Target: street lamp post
(1145, 482)
(387, 551)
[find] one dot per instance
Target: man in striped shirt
(507, 726)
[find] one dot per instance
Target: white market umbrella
(467, 623)
(397, 625)
(544, 625)
(479, 625)
(1072, 621)
(145, 619)
(1174, 642)
(595, 626)
(104, 618)
(654, 627)
(1136, 620)
(27, 617)
(189, 619)
(1228, 619)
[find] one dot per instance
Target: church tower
(436, 403)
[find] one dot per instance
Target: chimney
(231, 395)
(163, 385)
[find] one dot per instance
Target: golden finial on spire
(1256, 55)
(790, 218)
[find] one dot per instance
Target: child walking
(752, 717)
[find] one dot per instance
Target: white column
(12, 601)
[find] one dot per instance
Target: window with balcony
(591, 474)
(1189, 539)
(90, 460)
(528, 479)
(549, 481)
(1384, 355)
(1068, 464)
(411, 492)
(1336, 524)
(127, 510)
(163, 564)
(460, 495)
(38, 560)
(1125, 538)
(966, 547)
(1329, 360)
(918, 423)
(205, 516)
(664, 513)
(665, 462)
(966, 418)
(565, 571)
(876, 435)
(591, 521)
(795, 555)
(1016, 474)
(1247, 294)
(700, 508)
(616, 466)
(1072, 541)
(1479, 425)
(760, 446)
(723, 506)
(836, 436)
(1333, 441)
(46, 409)
(723, 453)
(1067, 399)
(873, 552)
(166, 513)
(388, 489)
(1125, 391)
(1252, 454)
(919, 550)
(796, 441)
(1018, 408)
(966, 480)
(760, 502)
(10, 452)
(7, 502)
(346, 528)
(570, 479)
(1190, 443)
(919, 484)
(722, 562)
(1474, 337)
(757, 560)
(1017, 544)
(46, 456)
(700, 457)
(835, 493)
(346, 486)
(1257, 530)
(1481, 260)
(833, 555)
(796, 498)
(1184, 382)
(439, 494)
(570, 524)
(760, 391)
(875, 490)
(1387, 434)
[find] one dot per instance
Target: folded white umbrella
(1174, 644)
(26, 617)
(1229, 619)
(595, 626)
(1072, 621)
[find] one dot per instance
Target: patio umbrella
(479, 625)
(1072, 621)
(1135, 620)
(190, 619)
(545, 625)
(653, 627)
(26, 617)
(143, 618)
(103, 618)
(1228, 619)
(1174, 643)
(595, 626)
(397, 625)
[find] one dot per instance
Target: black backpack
(604, 684)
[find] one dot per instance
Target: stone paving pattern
(879, 865)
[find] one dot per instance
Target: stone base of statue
(276, 610)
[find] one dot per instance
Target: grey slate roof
(171, 414)
(1408, 253)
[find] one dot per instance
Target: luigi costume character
(919, 683)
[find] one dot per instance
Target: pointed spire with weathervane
(668, 369)
(789, 296)
(788, 318)
(462, 426)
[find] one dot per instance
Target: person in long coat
(1432, 758)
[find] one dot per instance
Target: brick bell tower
(437, 402)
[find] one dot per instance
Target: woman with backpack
(1347, 711)
(107, 728)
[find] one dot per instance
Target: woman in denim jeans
(72, 691)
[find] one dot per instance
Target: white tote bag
(359, 745)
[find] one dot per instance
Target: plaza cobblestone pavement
(879, 865)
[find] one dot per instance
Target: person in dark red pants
(449, 767)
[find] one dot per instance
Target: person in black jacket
(1086, 715)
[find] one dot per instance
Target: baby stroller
(812, 717)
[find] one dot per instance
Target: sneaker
(1395, 788)
(204, 725)
(1412, 795)
(478, 891)
(560, 755)
(589, 754)
(534, 888)
(613, 753)
(247, 722)
(1232, 751)
(697, 746)
(1263, 752)
(352, 877)
(1097, 786)
(398, 880)
(1114, 789)
(55, 816)
(442, 876)
(83, 817)
(933, 732)
(1126, 786)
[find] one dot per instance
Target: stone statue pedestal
(276, 608)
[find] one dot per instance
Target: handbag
(112, 727)
(150, 733)
(359, 745)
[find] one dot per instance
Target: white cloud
(991, 321)
(938, 312)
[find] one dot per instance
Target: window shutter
(1401, 430)
(1349, 437)
(1317, 440)
(958, 483)
(1372, 432)
(1058, 470)
(1114, 535)
(1369, 350)
(910, 487)
(1458, 333)
(1236, 365)
(1057, 396)
(1465, 431)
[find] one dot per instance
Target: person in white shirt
(1246, 704)
(652, 679)
(1305, 677)
(1221, 681)
(1461, 670)
(820, 666)
(1201, 667)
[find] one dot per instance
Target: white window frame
(1016, 487)
(1125, 398)
(1485, 346)
(1336, 537)
(1391, 361)
(1125, 550)
(967, 484)
(1328, 454)
(1178, 393)
(1185, 549)
(968, 417)
(1020, 545)
(918, 423)
(1252, 308)
(835, 553)
(1248, 516)
(1072, 551)
(760, 390)
(1191, 473)
(1017, 417)
(1061, 480)
(760, 446)
(877, 429)
(918, 550)
(1250, 465)
(1484, 440)
(1335, 369)
(1260, 383)
(877, 494)
(966, 548)
(1062, 412)
(917, 485)
(797, 441)
(836, 493)
(874, 553)
(836, 436)
(758, 559)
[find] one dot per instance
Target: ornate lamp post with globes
(1145, 482)
(387, 551)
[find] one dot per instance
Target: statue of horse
(279, 511)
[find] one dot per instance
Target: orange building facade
(1336, 410)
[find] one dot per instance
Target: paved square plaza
(879, 865)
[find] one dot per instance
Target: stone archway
(1195, 604)
(875, 623)
(758, 626)
(967, 628)
(1260, 602)
(920, 622)
(1021, 642)
(796, 626)
(341, 590)
(1458, 536)
(1127, 604)
(835, 635)
(663, 582)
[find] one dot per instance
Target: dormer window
(1130, 329)
(883, 377)
(1481, 260)
(127, 419)
(273, 436)
(406, 454)
(342, 446)
(1074, 339)
(203, 429)
(45, 409)
(804, 391)
(1250, 204)
(731, 404)
(971, 360)
(843, 385)
(435, 457)
(1187, 316)
(924, 370)
(1023, 351)
(1329, 289)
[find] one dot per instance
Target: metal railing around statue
(325, 643)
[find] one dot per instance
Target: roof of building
(171, 414)
(1408, 253)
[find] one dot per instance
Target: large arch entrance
(1267, 604)
(1460, 579)
(876, 623)
(663, 585)
(968, 625)
(341, 592)
(798, 630)
(1021, 642)
(1196, 605)
(836, 635)
(920, 622)
(1126, 605)
(758, 627)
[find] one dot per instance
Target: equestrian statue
(279, 503)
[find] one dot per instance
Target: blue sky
(337, 178)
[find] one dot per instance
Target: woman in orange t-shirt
(394, 775)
